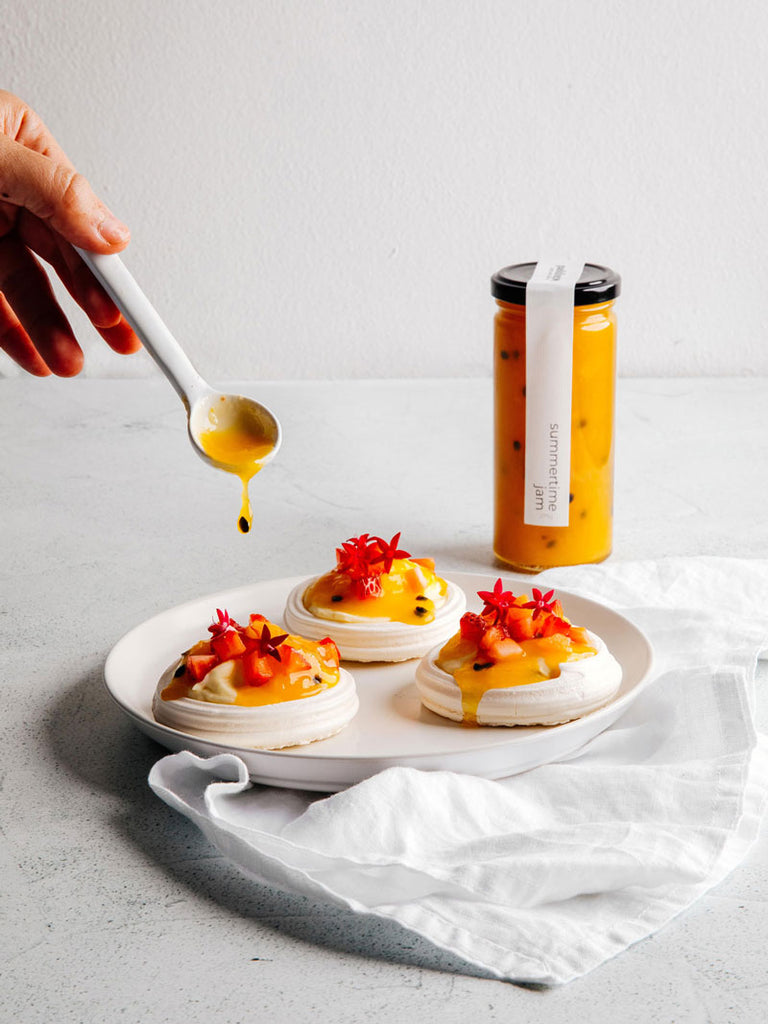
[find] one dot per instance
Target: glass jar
(586, 530)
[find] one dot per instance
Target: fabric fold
(542, 876)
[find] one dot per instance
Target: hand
(46, 207)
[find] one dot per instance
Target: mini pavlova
(256, 686)
(378, 603)
(520, 661)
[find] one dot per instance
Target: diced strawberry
(228, 645)
(367, 586)
(491, 636)
(551, 625)
(502, 650)
(258, 670)
(199, 665)
(493, 633)
(472, 626)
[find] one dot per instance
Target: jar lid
(596, 284)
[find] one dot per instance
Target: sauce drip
(280, 688)
(240, 447)
(403, 598)
(178, 687)
(541, 659)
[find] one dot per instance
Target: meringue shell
(266, 727)
(582, 686)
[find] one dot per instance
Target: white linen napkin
(542, 876)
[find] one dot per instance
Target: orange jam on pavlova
(253, 665)
(376, 580)
(512, 642)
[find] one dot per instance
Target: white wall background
(322, 188)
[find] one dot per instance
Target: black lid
(596, 284)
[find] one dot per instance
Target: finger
(16, 342)
(79, 282)
(69, 267)
(28, 292)
(8, 215)
(120, 338)
(25, 125)
(60, 196)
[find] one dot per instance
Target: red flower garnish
(365, 559)
(224, 625)
(268, 644)
(355, 557)
(496, 600)
(541, 603)
(388, 552)
(507, 617)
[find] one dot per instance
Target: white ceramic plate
(391, 727)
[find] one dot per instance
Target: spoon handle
(122, 288)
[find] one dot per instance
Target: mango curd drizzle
(175, 690)
(403, 597)
(540, 659)
(285, 684)
(241, 450)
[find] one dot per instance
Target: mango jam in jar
(554, 374)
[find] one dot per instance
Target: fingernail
(113, 230)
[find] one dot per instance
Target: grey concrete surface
(116, 908)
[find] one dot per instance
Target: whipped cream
(220, 685)
(581, 687)
(374, 639)
(211, 714)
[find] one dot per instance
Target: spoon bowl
(232, 416)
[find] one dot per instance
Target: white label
(548, 383)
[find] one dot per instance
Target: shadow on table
(96, 745)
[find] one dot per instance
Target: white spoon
(207, 410)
